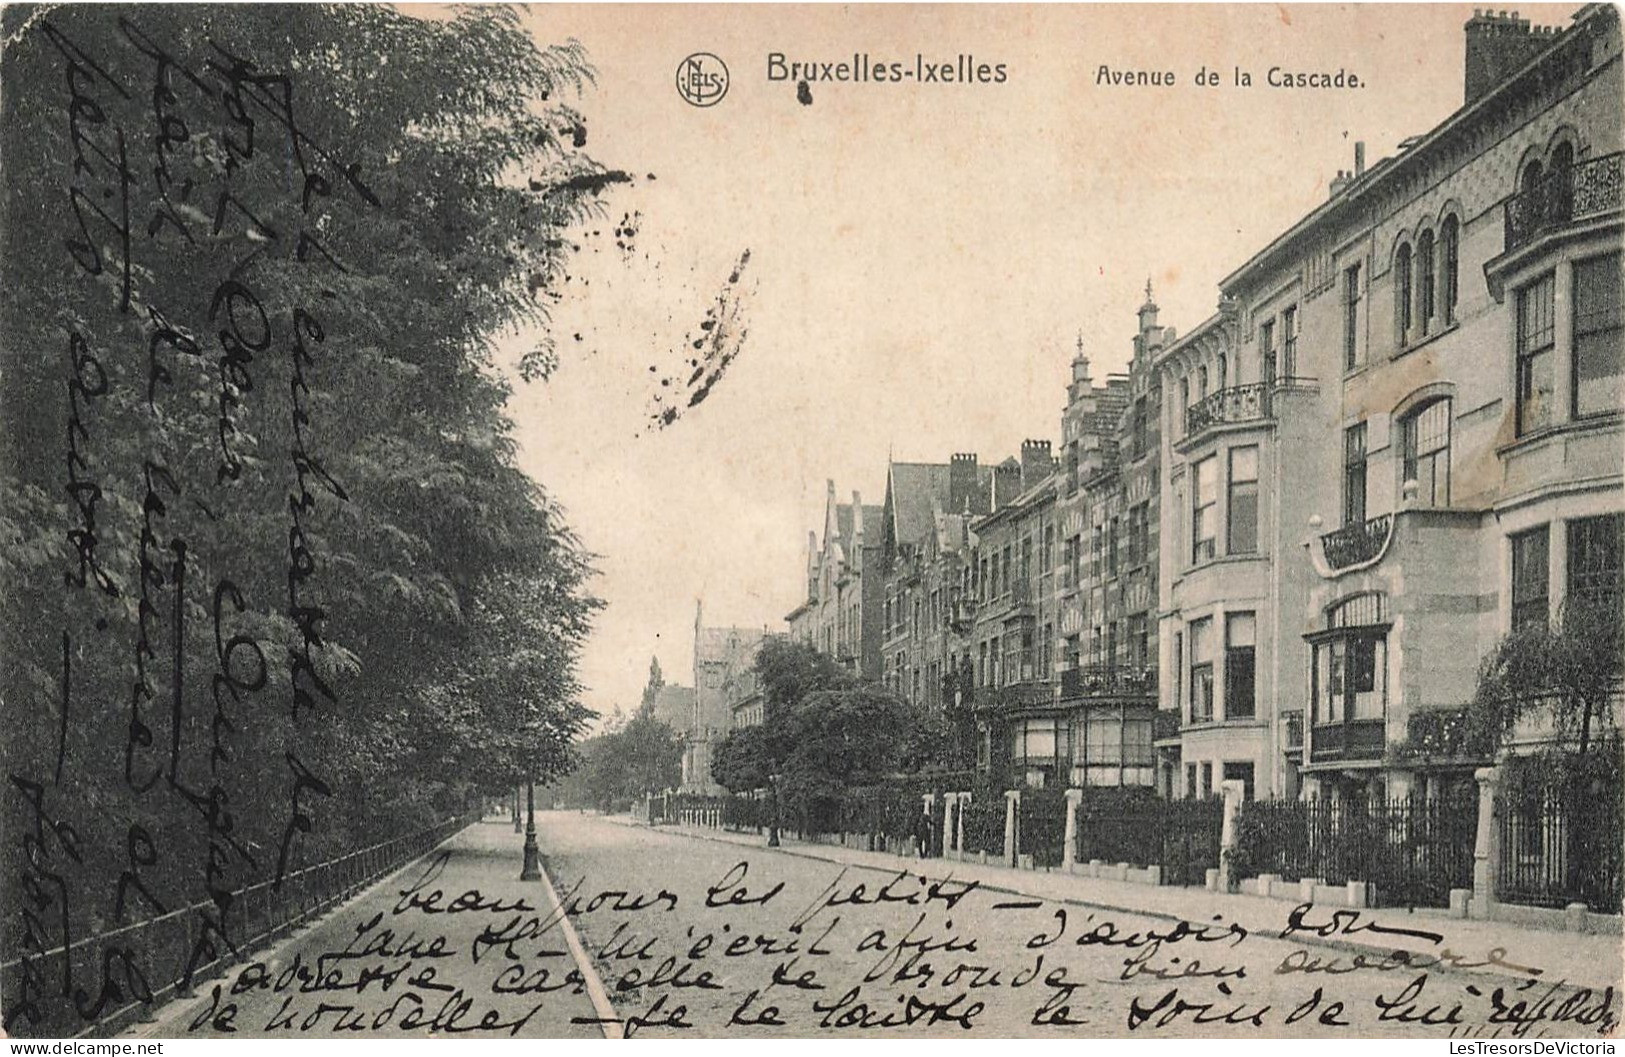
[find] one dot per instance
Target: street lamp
(532, 870)
(773, 825)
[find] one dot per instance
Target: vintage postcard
(810, 521)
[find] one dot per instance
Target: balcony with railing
(1358, 542)
(1108, 680)
(1563, 197)
(1357, 739)
(1237, 403)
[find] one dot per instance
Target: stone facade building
(721, 654)
(1453, 315)
(841, 613)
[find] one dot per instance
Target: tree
(824, 732)
(745, 760)
(284, 381)
(1565, 676)
(624, 763)
(1566, 673)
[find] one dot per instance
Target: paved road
(936, 959)
(411, 957)
(702, 938)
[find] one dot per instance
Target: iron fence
(163, 957)
(1041, 826)
(1560, 844)
(1180, 836)
(1413, 851)
(984, 823)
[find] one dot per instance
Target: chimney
(1006, 482)
(1359, 158)
(1339, 182)
(962, 476)
(1036, 462)
(857, 516)
(1498, 44)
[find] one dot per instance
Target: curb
(1305, 939)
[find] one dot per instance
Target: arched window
(1561, 196)
(1223, 369)
(1424, 268)
(1201, 382)
(1402, 291)
(1530, 182)
(1449, 265)
(1350, 673)
(1427, 452)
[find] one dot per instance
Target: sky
(923, 257)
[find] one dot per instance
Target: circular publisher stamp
(702, 79)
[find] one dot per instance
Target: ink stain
(721, 334)
(803, 93)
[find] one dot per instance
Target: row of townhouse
(1278, 548)
(1401, 433)
(1020, 599)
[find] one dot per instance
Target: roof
(916, 489)
(1419, 147)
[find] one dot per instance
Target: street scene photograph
(808, 521)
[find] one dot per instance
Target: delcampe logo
(702, 79)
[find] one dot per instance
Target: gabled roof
(914, 490)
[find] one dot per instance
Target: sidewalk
(1580, 958)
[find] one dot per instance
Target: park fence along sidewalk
(168, 955)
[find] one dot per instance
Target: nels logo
(702, 79)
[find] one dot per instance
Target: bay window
(1595, 569)
(1598, 350)
(1240, 639)
(1201, 680)
(1536, 335)
(1204, 497)
(1530, 577)
(1241, 514)
(1349, 677)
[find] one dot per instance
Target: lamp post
(773, 825)
(532, 870)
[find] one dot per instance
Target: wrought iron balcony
(1358, 739)
(1292, 727)
(1108, 680)
(1588, 189)
(1358, 542)
(1238, 403)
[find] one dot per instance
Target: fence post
(948, 802)
(1234, 791)
(1012, 810)
(963, 801)
(1069, 850)
(1487, 846)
